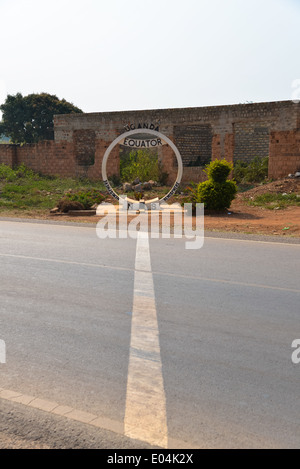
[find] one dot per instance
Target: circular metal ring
(149, 132)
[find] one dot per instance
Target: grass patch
(275, 201)
(24, 190)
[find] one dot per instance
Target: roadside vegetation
(251, 173)
(251, 182)
(275, 201)
(24, 190)
(254, 175)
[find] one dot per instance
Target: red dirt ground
(243, 218)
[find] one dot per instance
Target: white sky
(132, 54)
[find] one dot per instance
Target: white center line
(145, 413)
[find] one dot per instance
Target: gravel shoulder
(26, 428)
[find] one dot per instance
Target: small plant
(192, 193)
(115, 180)
(254, 172)
(138, 195)
(217, 192)
(6, 173)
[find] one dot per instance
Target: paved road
(223, 320)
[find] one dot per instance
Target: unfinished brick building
(237, 132)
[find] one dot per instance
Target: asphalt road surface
(125, 343)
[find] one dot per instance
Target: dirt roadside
(245, 218)
(239, 219)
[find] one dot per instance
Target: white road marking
(145, 413)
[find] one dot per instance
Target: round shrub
(219, 170)
(215, 195)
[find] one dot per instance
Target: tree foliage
(140, 164)
(29, 119)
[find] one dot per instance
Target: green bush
(9, 175)
(217, 192)
(140, 164)
(216, 195)
(218, 170)
(255, 171)
(6, 173)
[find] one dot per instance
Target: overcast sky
(117, 55)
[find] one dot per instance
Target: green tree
(29, 119)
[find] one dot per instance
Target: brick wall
(284, 153)
(8, 154)
(223, 147)
(238, 132)
(48, 158)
